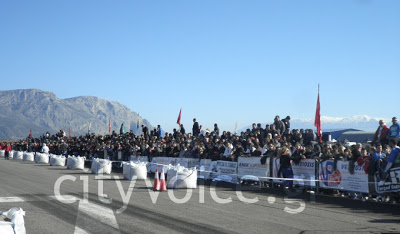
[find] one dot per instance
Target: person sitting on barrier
(286, 168)
(393, 160)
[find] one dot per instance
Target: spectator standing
(394, 131)
(279, 124)
(7, 151)
(196, 128)
(381, 133)
(216, 129)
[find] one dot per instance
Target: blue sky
(221, 61)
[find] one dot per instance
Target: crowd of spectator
(272, 140)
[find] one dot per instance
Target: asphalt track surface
(31, 187)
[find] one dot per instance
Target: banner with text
(341, 179)
(252, 166)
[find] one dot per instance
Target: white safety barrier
(181, 177)
(203, 167)
(42, 158)
(135, 170)
(341, 179)
(2, 153)
(304, 171)
(251, 166)
(17, 224)
(29, 156)
(101, 166)
(76, 163)
(391, 184)
(57, 160)
(18, 155)
(225, 171)
(139, 158)
(161, 163)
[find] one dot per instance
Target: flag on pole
(109, 125)
(138, 122)
(90, 125)
(179, 118)
(70, 132)
(30, 133)
(317, 122)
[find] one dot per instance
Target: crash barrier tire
(179, 177)
(42, 158)
(57, 160)
(135, 170)
(18, 155)
(28, 156)
(101, 166)
(76, 163)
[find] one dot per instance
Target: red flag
(179, 118)
(30, 133)
(317, 122)
(69, 132)
(109, 125)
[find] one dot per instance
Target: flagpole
(317, 121)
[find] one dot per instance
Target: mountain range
(359, 122)
(41, 111)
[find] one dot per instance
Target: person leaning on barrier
(286, 168)
(298, 153)
(355, 154)
(271, 152)
(377, 159)
(393, 160)
(338, 155)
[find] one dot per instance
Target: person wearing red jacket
(8, 150)
(381, 133)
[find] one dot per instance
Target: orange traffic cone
(163, 186)
(156, 182)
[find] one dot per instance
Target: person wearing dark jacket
(356, 153)
(182, 130)
(279, 124)
(216, 129)
(286, 168)
(196, 128)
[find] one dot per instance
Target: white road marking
(105, 221)
(11, 199)
(91, 218)
(78, 230)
